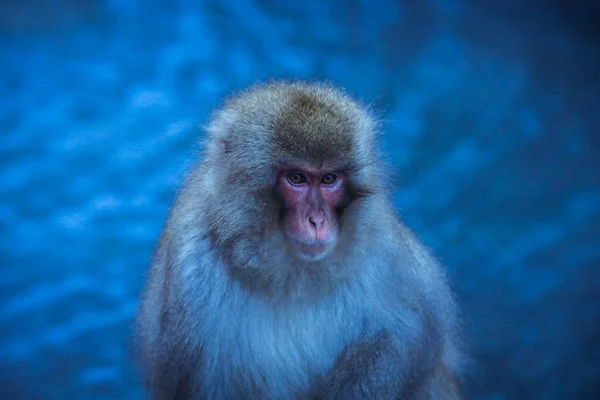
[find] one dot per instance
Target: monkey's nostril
(316, 221)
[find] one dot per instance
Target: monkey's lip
(311, 250)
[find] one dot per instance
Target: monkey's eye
(329, 179)
(296, 178)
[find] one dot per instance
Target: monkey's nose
(317, 221)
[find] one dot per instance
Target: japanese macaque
(283, 271)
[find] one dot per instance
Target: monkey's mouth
(311, 251)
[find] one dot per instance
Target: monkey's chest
(279, 354)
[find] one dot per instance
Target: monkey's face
(309, 219)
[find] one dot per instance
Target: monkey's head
(289, 165)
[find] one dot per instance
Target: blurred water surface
(491, 122)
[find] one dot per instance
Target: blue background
(492, 126)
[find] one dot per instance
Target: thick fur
(228, 314)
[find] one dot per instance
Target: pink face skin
(310, 223)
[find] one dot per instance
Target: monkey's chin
(310, 251)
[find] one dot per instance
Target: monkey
(283, 270)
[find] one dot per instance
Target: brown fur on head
(276, 127)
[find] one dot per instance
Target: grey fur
(229, 314)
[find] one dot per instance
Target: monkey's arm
(385, 366)
(159, 348)
(369, 369)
